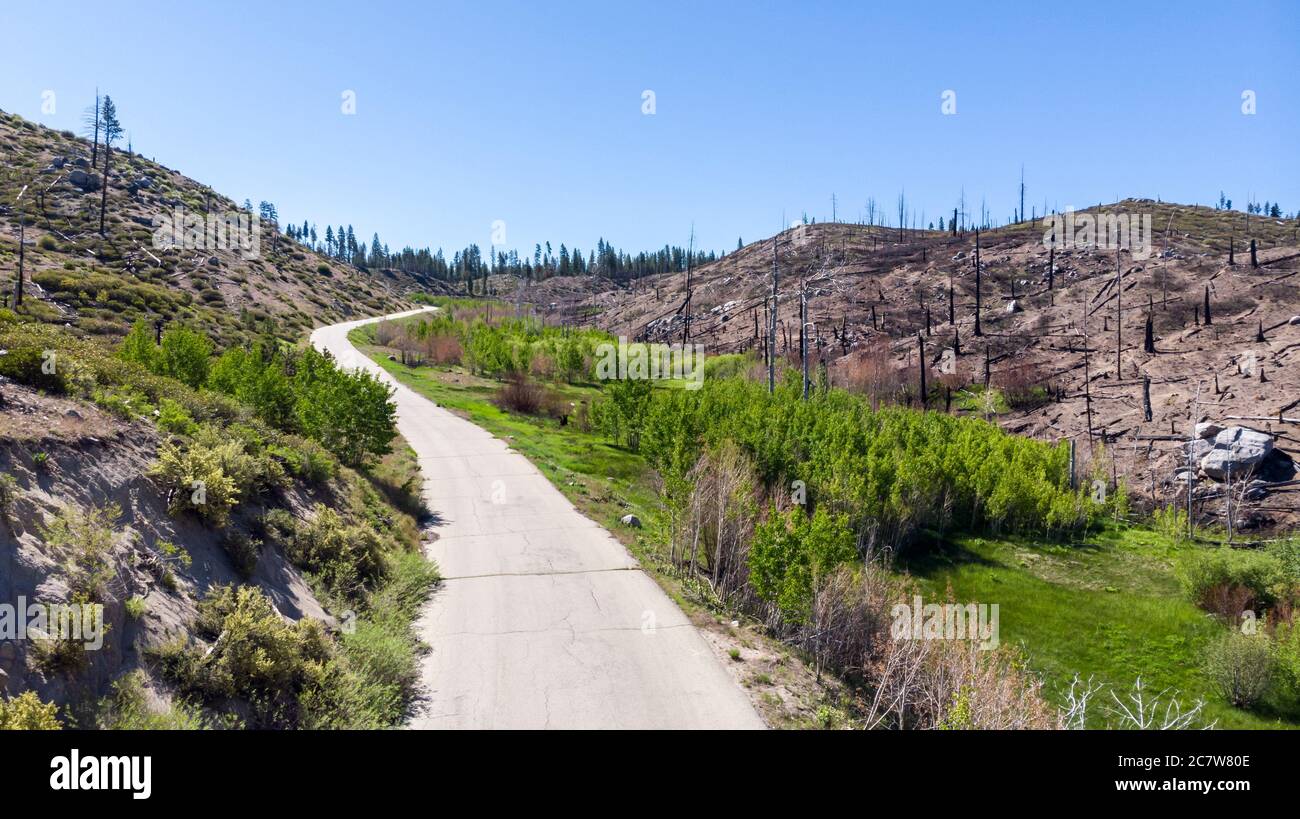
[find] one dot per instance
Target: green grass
(1109, 608)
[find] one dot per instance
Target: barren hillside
(1050, 352)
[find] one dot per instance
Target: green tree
(138, 346)
(185, 355)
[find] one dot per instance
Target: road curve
(544, 619)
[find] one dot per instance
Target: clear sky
(531, 112)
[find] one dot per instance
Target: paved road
(544, 620)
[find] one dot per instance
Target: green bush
(184, 355)
(174, 418)
(256, 656)
(347, 558)
(890, 471)
(1205, 573)
(195, 479)
(243, 551)
(791, 552)
(28, 365)
(128, 709)
(83, 539)
(26, 712)
(136, 607)
(1240, 666)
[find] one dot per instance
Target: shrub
(8, 494)
(195, 479)
(128, 708)
(84, 539)
(791, 554)
(28, 365)
(136, 607)
(891, 471)
(350, 413)
(26, 712)
(184, 355)
(1240, 666)
(306, 459)
(520, 394)
(346, 558)
(172, 417)
(256, 656)
(243, 551)
(1210, 576)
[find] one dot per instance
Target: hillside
(240, 509)
(869, 290)
(99, 285)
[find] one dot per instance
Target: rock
(81, 162)
(1198, 448)
(85, 181)
(1249, 443)
(1236, 450)
(140, 184)
(57, 162)
(1014, 306)
(1294, 320)
(1208, 429)
(630, 520)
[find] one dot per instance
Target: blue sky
(531, 113)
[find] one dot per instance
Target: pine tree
(112, 132)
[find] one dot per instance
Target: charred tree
(979, 331)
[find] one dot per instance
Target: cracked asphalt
(543, 620)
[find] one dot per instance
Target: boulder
(630, 520)
(1248, 442)
(1294, 320)
(1198, 448)
(1013, 307)
(1208, 429)
(1237, 450)
(81, 162)
(85, 181)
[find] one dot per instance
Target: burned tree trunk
(920, 342)
(979, 331)
(1149, 341)
(1146, 397)
(1254, 262)
(1051, 263)
(1206, 311)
